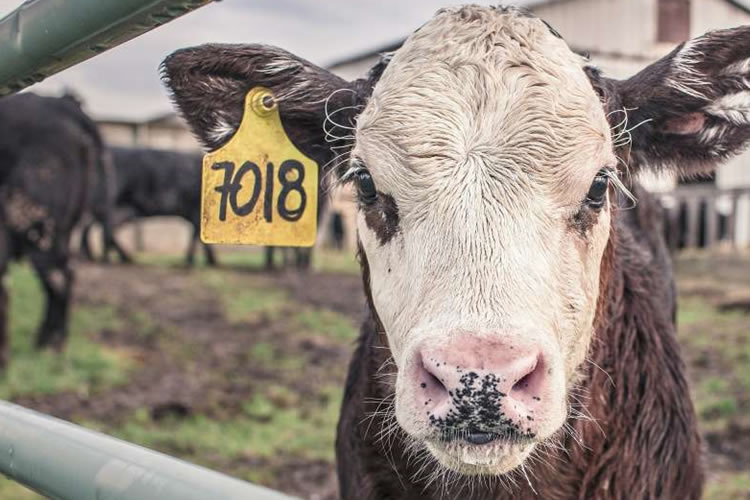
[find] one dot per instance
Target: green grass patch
(728, 486)
(246, 300)
(327, 323)
(11, 490)
(243, 258)
(269, 424)
(82, 367)
(336, 262)
(692, 310)
(324, 260)
(263, 351)
(717, 348)
(143, 326)
(250, 304)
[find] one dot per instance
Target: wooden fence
(705, 217)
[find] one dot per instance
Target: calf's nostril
(530, 379)
(523, 383)
(432, 382)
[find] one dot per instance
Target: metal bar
(43, 37)
(63, 461)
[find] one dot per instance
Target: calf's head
(487, 158)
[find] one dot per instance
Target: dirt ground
(197, 361)
(201, 348)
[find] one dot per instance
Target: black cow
(49, 157)
(150, 183)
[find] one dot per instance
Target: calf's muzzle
(479, 390)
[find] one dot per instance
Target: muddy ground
(195, 360)
(201, 344)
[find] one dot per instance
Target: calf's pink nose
(476, 383)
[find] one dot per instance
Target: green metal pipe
(63, 461)
(42, 37)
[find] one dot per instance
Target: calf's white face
(483, 138)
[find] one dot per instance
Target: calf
(153, 182)
(48, 159)
(520, 337)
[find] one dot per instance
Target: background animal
(503, 280)
(150, 183)
(49, 159)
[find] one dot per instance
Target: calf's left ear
(691, 109)
(209, 83)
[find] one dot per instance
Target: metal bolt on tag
(259, 189)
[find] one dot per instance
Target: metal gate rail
(42, 37)
(63, 461)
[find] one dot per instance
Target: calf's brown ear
(688, 111)
(208, 84)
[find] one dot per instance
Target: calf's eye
(366, 187)
(598, 190)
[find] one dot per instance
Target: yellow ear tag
(259, 189)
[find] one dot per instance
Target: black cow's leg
(302, 258)
(57, 281)
(306, 258)
(4, 340)
(268, 258)
(112, 244)
(106, 247)
(210, 255)
(190, 257)
(109, 235)
(85, 243)
(124, 256)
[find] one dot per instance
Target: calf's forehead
(493, 84)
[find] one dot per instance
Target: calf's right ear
(209, 83)
(691, 109)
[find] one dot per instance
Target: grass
(716, 345)
(264, 428)
(732, 486)
(718, 351)
(83, 366)
(253, 258)
(11, 490)
(336, 262)
(280, 420)
(292, 416)
(327, 323)
(245, 300)
(267, 427)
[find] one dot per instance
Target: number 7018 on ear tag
(259, 189)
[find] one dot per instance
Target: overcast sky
(124, 83)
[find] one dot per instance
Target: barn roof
(743, 5)
(528, 4)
